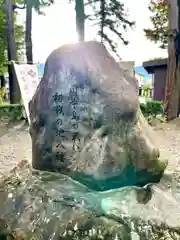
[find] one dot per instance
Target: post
(80, 19)
(3, 81)
(170, 77)
(15, 96)
(178, 54)
(28, 37)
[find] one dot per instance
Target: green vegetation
(159, 32)
(11, 111)
(110, 17)
(156, 58)
(19, 37)
(146, 91)
(2, 94)
(152, 108)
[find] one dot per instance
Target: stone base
(43, 205)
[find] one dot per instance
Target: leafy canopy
(36, 4)
(19, 36)
(18, 28)
(159, 32)
(39, 4)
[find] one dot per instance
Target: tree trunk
(102, 12)
(171, 104)
(28, 32)
(15, 95)
(3, 82)
(80, 19)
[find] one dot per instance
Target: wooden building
(158, 70)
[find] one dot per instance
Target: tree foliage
(36, 4)
(112, 20)
(3, 41)
(159, 19)
(19, 36)
(39, 4)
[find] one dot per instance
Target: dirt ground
(15, 144)
(168, 140)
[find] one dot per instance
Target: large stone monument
(86, 122)
(95, 161)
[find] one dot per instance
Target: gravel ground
(168, 139)
(15, 144)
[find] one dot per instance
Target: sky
(58, 27)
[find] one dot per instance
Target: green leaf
(19, 37)
(159, 32)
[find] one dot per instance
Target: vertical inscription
(58, 108)
(74, 101)
(59, 112)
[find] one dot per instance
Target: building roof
(152, 64)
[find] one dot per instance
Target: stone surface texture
(86, 122)
(42, 205)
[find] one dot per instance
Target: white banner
(27, 76)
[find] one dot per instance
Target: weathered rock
(43, 205)
(86, 122)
